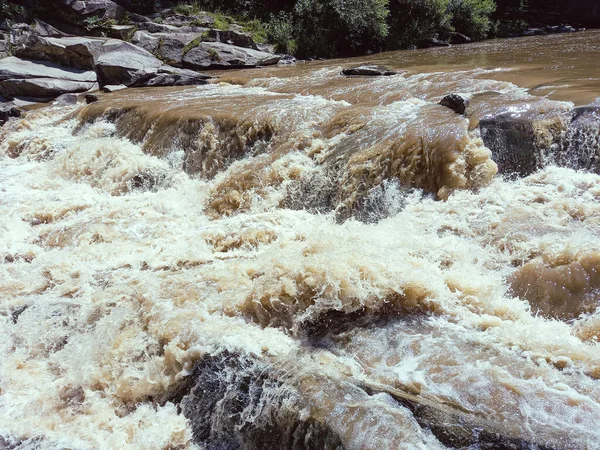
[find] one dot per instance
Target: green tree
(472, 17)
(414, 22)
(328, 28)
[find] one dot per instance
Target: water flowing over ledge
(302, 261)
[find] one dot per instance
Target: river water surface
(288, 258)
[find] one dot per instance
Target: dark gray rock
(137, 18)
(458, 38)
(522, 143)
(435, 42)
(216, 55)
(47, 30)
(581, 146)
(368, 71)
(8, 110)
(124, 63)
(91, 98)
(534, 32)
(168, 79)
(455, 102)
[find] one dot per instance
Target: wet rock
(69, 99)
(22, 78)
(368, 71)
(172, 76)
(91, 98)
(534, 32)
(226, 390)
(581, 146)
(455, 102)
(124, 63)
(458, 38)
(77, 52)
(521, 143)
(8, 110)
(215, 55)
(113, 87)
(287, 60)
(434, 42)
(167, 79)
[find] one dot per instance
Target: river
(288, 258)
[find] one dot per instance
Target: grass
(191, 45)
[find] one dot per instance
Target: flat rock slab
(13, 67)
(41, 87)
(76, 52)
(216, 55)
(369, 71)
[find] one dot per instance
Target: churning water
(293, 259)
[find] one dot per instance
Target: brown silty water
(289, 258)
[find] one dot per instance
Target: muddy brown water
(288, 258)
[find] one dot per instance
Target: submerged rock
(368, 71)
(455, 102)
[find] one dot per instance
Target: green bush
(280, 33)
(328, 28)
(414, 22)
(472, 17)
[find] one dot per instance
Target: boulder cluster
(98, 45)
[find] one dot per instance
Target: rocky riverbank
(101, 46)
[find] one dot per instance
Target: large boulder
(216, 55)
(77, 52)
(172, 76)
(522, 143)
(41, 79)
(77, 16)
(124, 63)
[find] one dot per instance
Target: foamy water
(122, 276)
